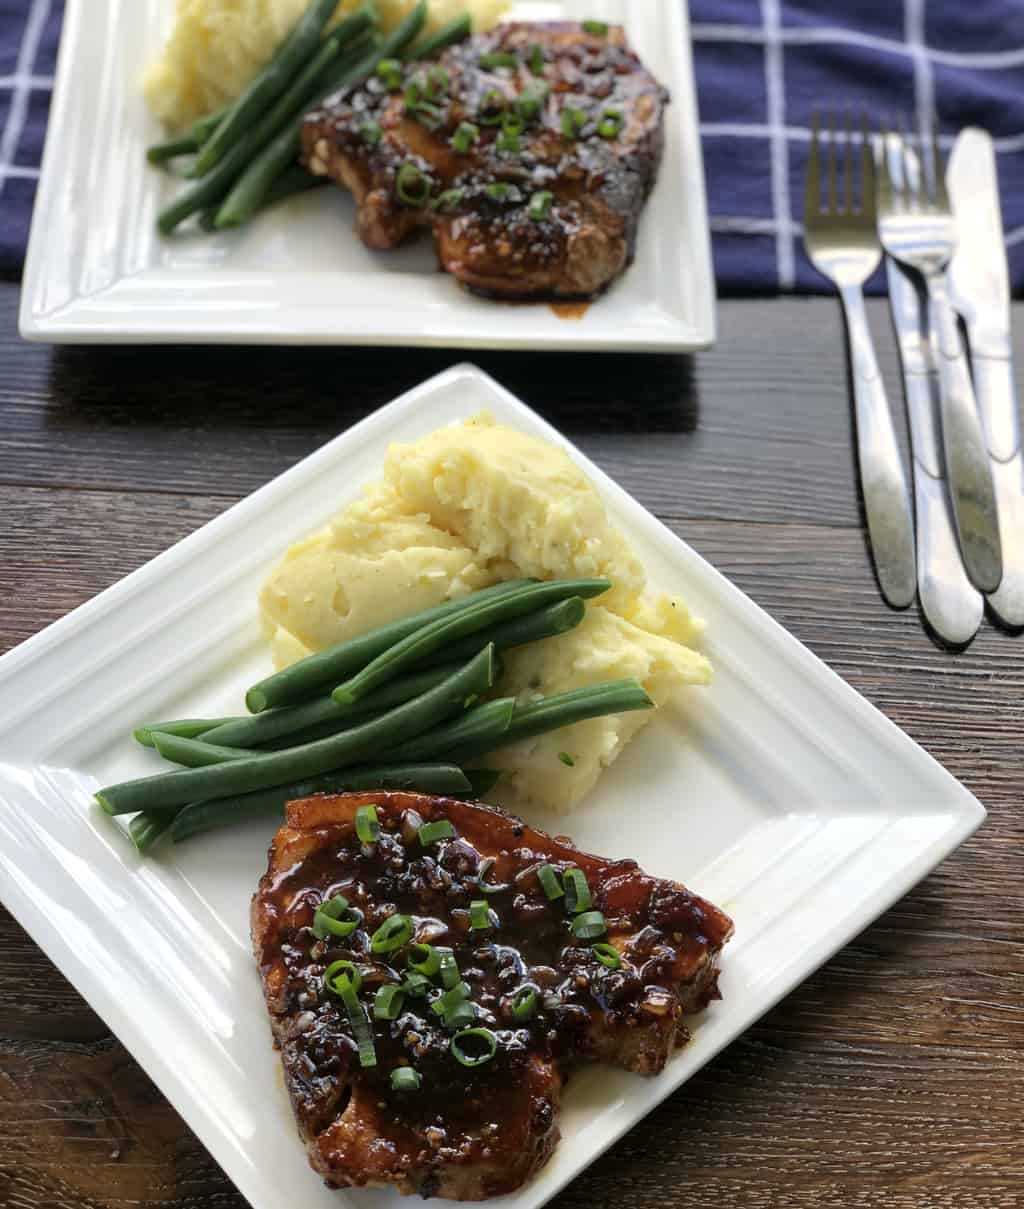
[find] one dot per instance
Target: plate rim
(81, 319)
(967, 813)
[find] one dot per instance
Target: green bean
(549, 713)
(286, 64)
(252, 187)
(288, 109)
(259, 729)
(482, 780)
(147, 827)
(294, 179)
(189, 728)
(485, 725)
(442, 632)
(195, 753)
(452, 31)
(222, 812)
(314, 675)
(326, 755)
(190, 141)
(544, 623)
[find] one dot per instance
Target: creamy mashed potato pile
(465, 507)
(217, 46)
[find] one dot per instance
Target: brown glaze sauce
(530, 941)
(570, 310)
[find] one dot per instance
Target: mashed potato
(217, 46)
(467, 506)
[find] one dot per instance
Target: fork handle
(968, 470)
(886, 499)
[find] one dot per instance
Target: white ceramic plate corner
(805, 813)
(98, 272)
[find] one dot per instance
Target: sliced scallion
(387, 1003)
(540, 204)
(498, 58)
(437, 84)
(549, 882)
(461, 1015)
(485, 867)
(509, 143)
(412, 185)
(390, 71)
(370, 132)
(404, 1078)
(335, 918)
(599, 28)
(473, 1046)
(440, 829)
(444, 1004)
(524, 1002)
(607, 955)
(492, 107)
(448, 200)
(449, 971)
(466, 134)
(394, 932)
(577, 892)
(536, 59)
(360, 1027)
(416, 984)
(589, 926)
(342, 974)
(424, 959)
(479, 914)
(498, 191)
(367, 824)
(610, 125)
(566, 759)
(573, 121)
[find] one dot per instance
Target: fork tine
(812, 192)
(832, 203)
(911, 189)
(868, 190)
(848, 164)
(886, 197)
(938, 167)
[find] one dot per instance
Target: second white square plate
(778, 793)
(97, 271)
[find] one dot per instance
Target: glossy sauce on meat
(667, 939)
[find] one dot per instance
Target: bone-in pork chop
(529, 151)
(545, 996)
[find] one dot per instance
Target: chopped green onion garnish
(461, 1015)
(430, 833)
(600, 28)
(466, 134)
(536, 59)
(428, 115)
(367, 824)
(394, 932)
(360, 1028)
(492, 107)
(540, 204)
(342, 974)
(513, 123)
(549, 882)
(577, 892)
(573, 121)
(437, 83)
(498, 58)
(416, 985)
(524, 1002)
(473, 1046)
(508, 142)
(530, 100)
(479, 914)
(390, 71)
(446, 1003)
(424, 959)
(485, 867)
(412, 185)
(607, 955)
(370, 132)
(610, 125)
(413, 92)
(589, 926)
(387, 1003)
(404, 1078)
(333, 918)
(448, 200)
(449, 971)
(498, 191)
(566, 759)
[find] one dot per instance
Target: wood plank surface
(893, 1077)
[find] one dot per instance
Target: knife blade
(950, 602)
(979, 287)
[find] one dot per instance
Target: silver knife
(979, 289)
(950, 602)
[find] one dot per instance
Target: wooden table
(895, 1076)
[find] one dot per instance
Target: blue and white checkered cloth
(763, 67)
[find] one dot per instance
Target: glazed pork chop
(529, 151)
(548, 985)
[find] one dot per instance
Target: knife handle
(993, 384)
(967, 463)
(1007, 602)
(951, 603)
(886, 499)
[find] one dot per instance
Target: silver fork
(842, 242)
(916, 227)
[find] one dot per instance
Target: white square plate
(778, 792)
(98, 271)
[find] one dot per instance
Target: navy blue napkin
(762, 67)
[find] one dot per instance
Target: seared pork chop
(465, 1132)
(529, 151)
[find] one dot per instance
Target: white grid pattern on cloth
(775, 92)
(22, 84)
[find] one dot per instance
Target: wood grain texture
(894, 1077)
